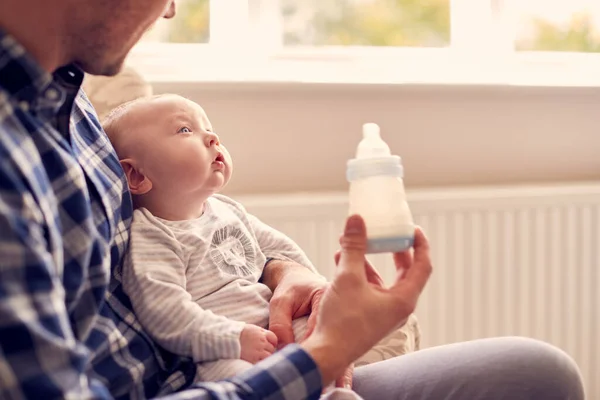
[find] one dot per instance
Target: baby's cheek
(229, 170)
(194, 159)
(227, 156)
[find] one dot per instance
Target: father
(66, 327)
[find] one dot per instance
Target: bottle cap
(373, 157)
(371, 144)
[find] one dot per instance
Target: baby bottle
(377, 194)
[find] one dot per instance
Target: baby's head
(168, 151)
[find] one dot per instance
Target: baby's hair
(111, 122)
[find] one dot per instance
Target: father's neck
(39, 26)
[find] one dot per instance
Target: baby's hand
(257, 343)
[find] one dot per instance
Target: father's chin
(97, 67)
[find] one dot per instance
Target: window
(554, 42)
(412, 23)
(190, 25)
(543, 25)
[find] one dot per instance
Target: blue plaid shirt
(66, 326)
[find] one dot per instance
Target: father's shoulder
(83, 110)
(8, 109)
(5, 104)
(15, 127)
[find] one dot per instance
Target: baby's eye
(185, 129)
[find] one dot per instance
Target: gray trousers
(491, 369)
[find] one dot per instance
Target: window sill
(201, 64)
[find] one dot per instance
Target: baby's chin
(226, 172)
(226, 178)
(219, 181)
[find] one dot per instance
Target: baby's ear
(138, 182)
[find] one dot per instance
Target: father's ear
(138, 182)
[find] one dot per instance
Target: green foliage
(192, 23)
(375, 23)
(580, 35)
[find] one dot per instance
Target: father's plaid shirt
(66, 327)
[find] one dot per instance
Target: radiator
(507, 261)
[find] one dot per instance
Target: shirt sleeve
(277, 245)
(290, 374)
(154, 278)
(40, 358)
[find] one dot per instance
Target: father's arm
(296, 285)
(288, 374)
(276, 245)
(39, 355)
(40, 358)
(286, 262)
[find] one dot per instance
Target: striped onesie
(195, 283)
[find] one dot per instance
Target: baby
(195, 257)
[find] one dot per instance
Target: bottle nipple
(371, 144)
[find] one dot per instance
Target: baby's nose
(212, 139)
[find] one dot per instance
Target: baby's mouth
(219, 162)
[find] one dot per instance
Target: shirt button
(52, 94)
(24, 105)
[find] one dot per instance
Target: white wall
(297, 137)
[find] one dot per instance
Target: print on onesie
(233, 252)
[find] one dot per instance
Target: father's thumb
(354, 245)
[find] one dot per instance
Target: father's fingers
(372, 275)
(310, 325)
(354, 246)
(345, 381)
(370, 271)
(314, 311)
(403, 262)
(280, 320)
(418, 273)
(421, 247)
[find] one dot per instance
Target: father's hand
(373, 277)
(356, 311)
(297, 291)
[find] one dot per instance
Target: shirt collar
(29, 84)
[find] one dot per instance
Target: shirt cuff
(289, 374)
(222, 342)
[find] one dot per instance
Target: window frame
(481, 52)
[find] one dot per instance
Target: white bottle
(377, 194)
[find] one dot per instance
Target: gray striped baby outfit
(195, 283)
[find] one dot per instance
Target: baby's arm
(276, 245)
(273, 244)
(155, 280)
